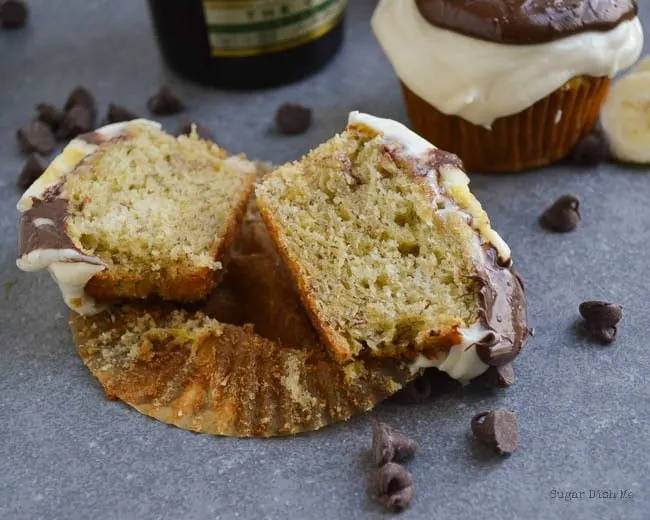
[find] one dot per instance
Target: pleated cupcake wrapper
(538, 136)
(233, 383)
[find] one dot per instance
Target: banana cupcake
(507, 85)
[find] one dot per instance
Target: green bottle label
(240, 28)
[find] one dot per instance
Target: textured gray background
(68, 453)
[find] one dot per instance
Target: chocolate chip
(50, 115)
(13, 14)
(591, 150)
(563, 215)
(497, 429)
(601, 314)
(493, 350)
(185, 128)
(390, 445)
(36, 137)
(78, 120)
(496, 377)
(601, 318)
(394, 486)
(32, 170)
(165, 102)
(81, 96)
(292, 119)
(118, 114)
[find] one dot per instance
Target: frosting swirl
(521, 22)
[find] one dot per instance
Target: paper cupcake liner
(224, 379)
(265, 373)
(540, 135)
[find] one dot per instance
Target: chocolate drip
(521, 22)
(43, 225)
(502, 311)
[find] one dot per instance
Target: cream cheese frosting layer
(481, 81)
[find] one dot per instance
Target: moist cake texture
(154, 214)
(391, 253)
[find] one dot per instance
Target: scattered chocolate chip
(292, 119)
(13, 14)
(601, 318)
(50, 115)
(165, 102)
(501, 376)
(185, 128)
(497, 429)
(494, 351)
(389, 445)
(32, 170)
(118, 114)
(591, 150)
(78, 120)
(394, 486)
(81, 96)
(601, 314)
(563, 216)
(36, 137)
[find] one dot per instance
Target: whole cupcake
(507, 85)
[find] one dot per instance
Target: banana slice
(625, 116)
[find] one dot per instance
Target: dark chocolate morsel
(563, 215)
(496, 377)
(36, 137)
(292, 118)
(50, 115)
(391, 483)
(495, 350)
(119, 114)
(520, 22)
(601, 315)
(32, 170)
(13, 14)
(78, 120)
(389, 445)
(81, 96)
(185, 128)
(165, 102)
(591, 150)
(497, 429)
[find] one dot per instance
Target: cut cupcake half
(391, 253)
(129, 211)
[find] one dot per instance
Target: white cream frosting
(481, 81)
(462, 361)
(70, 269)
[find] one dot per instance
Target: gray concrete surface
(68, 453)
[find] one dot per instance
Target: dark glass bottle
(245, 44)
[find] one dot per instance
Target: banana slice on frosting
(625, 116)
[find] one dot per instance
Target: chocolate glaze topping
(502, 310)
(521, 22)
